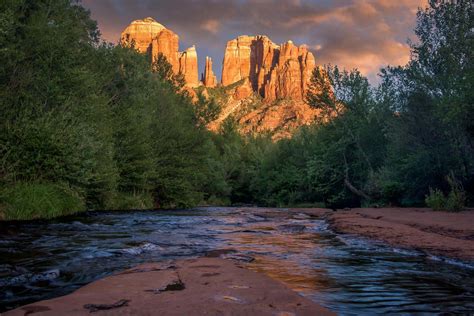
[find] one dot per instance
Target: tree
(433, 99)
(352, 130)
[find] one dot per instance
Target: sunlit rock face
(244, 90)
(188, 66)
(142, 33)
(166, 43)
(209, 79)
(149, 36)
(280, 120)
(275, 72)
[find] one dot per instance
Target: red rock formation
(236, 60)
(308, 64)
(149, 36)
(166, 43)
(188, 66)
(261, 68)
(244, 90)
(141, 33)
(209, 79)
(249, 57)
(280, 119)
(275, 72)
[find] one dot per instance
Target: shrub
(454, 202)
(436, 200)
(456, 199)
(25, 201)
(131, 201)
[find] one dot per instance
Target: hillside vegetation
(89, 125)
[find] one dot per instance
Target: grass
(26, 201)
(131, 201)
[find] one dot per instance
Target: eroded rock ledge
(205, 286)
(436, 233)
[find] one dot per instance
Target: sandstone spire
(209, 79)
(188, 66)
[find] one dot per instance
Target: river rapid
(347, 274)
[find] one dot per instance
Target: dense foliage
(92, 120)
(89, 125)
(394, 144)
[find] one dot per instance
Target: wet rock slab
(205, 286)
(292, 228)
(444, 234)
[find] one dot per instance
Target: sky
(363, 34)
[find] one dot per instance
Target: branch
(349, 185)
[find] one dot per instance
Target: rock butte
(252, 66)
(275, 72)
(151, 37)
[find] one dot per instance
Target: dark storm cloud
(366, 34)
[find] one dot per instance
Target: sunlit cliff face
(367, 34)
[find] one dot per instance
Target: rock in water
(145, 247)
(31, 278)
(292, 228)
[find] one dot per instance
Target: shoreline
(202, 286)
(444, 234)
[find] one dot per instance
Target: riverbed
(345, 273)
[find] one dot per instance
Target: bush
(131, 201)
(454, 202)
(436, 200)
(25, 201)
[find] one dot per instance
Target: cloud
(364, 34)
(211, 26)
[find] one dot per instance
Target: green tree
(432, 96)
(54, 118)
(351, 134)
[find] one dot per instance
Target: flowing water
(352, 276)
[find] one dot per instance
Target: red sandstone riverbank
(438, 233)
(445, 234)
(205, 286)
